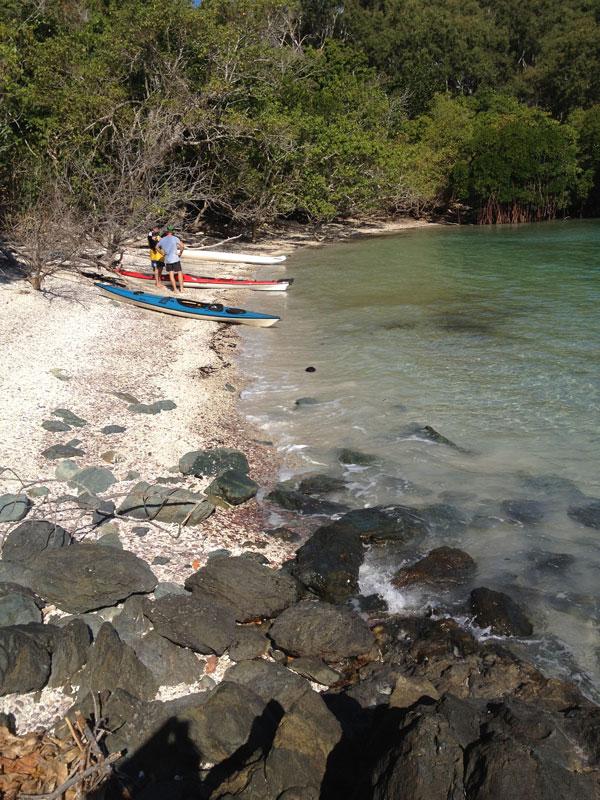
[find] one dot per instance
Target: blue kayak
(179, 307)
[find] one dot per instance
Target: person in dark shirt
(157, 259)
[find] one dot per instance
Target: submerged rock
(322, 630)
(443, 519)
(498, 612)
(306, 401)
(527, 512)
(347, 456)
(292, 500)
(588, 515)
(321, 483)
(14, 507)
(430, 434)
(213, 462)
(87, 576)
(444, 566)
(30, 538)
(251, 589)
(386, 523)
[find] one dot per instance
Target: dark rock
(203, 625)
(371, 603)
(108, 429)
(62, 451)
(24, 662)
(92, 480)
(321, 484)
(213, 462)
(250, 642)
(14, 507)
(152, 408)
(110, 539)
(527, 512)
(140, 530)
(556, 563)
(84, 577)
(70, 652)
(229, 387)
(18, 608)
(322, 630)
(347, 456)
(444, 566)
(315, 670)
(159, 561)
(310, 369)
(164, 588)
(251, 589)
(284, 534)
(271, 682)
(9, 588)
(104, 511)
(386, 523)
(306, 401)
(169, 663)
(220, 552)
(431, 435)
(588, 515)
(126, 397)
(54, 426)
(497, 611)
(329, 562)
(9, 722)
(165, 504)
(132, 624)
(233, 486)
(112, 664)
(292, 500)
(375, 689)
(30, 538)
(69, 417)
(443, 519)
(15, 572)
(552, 485)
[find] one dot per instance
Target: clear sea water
(491, 336)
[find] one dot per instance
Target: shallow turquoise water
(490, 335)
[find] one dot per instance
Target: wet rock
(321, 484)
(250, 642)
(24, 662)
(284, 534)
(212, 462)
(165, 504)
(54, 426)
(202, 625)
(588, 514)
(69, 652)
(252, 590)
(152, 408)
(14, 507)
(386, 523)
(347, 456)
(552, 485)
(269, 681)
(527, 512)
(112, 664)
(329, 562)
(443, 519)
(108, 429)
(322, 630)
(371, 603)
(444, 567)
(93, 480)
(69, 417)
(497, 611)
(430, 434)
(169, 663)
(30, 538)
(233, 486)
(315, 670)
(551, 563)
(18, 608)
(306, 401)
(62, 451)
(292, 500)
(84, 577)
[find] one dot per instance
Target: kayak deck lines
(192, 309)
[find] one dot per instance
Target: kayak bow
(205, 282)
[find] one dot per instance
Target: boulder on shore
(165, 504)
(252, 590)
(293, 500)
(444, 567)
(203, 625)
(212, 462)
(233, 486)
(323, 630)
(85, 576)
(31, 538)
(24, 662)
(14, 507)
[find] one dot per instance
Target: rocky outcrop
(84, 577)
(322, 630)
(251, 589)
(498, 612)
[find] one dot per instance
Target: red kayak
(203, 282)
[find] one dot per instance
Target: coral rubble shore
(142, 590)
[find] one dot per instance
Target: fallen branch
(103, 766)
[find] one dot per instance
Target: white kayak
(198, 254)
